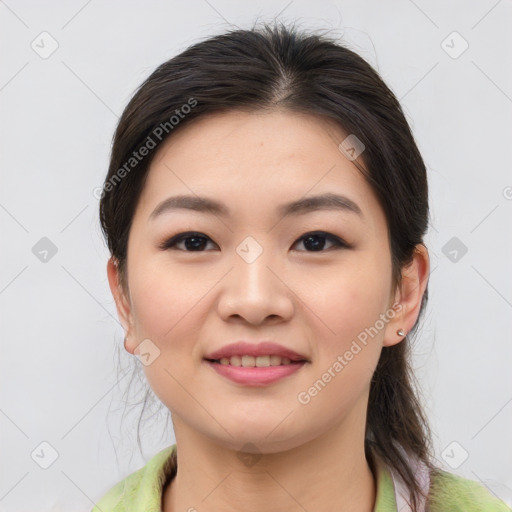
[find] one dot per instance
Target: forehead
(254, 160)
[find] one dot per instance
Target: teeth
(251, 361)
(275, 361)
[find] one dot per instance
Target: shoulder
(453, 493)
(116, 498)
(141, 488)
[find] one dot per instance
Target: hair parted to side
(280, 67)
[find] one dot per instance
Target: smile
(252, 361)
(247, 370)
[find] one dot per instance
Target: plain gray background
(448, 63)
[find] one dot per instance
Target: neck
(330, 471)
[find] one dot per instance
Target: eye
(316, 241)
(194, 241)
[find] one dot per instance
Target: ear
(408, 296)
(122, 303)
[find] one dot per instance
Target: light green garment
(141, 491)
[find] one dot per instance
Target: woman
(265, 209)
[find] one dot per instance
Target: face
(317, 281)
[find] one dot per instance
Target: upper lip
(263, 348)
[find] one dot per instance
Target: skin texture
(189, 303)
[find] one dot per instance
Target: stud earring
(400, 332)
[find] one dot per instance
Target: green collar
(143, 489)
(385, 500)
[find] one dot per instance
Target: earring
(400, 332)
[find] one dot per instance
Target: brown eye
(315, 242)
(193, 242)
(196, 242)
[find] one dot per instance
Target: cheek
(348, 332)
(169, 307)
(347, 300)
(166, 305)
(163, 298)
(347, 358)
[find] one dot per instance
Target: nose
(256, 292)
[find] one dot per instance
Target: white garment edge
(402, 491)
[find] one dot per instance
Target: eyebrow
(328, 201)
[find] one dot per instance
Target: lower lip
(257, 375)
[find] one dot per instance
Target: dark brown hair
(281, 67)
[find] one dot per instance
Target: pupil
(317, 245)
(191, 246)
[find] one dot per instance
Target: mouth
(255, 371)
(247, 361)
(262, 354)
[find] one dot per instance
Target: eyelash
(171, 242)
